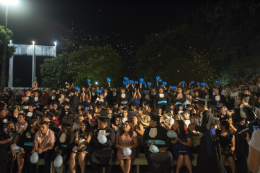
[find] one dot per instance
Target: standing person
(157, 135)
(102, 154)
(181, 147)
(126, 138)
(43, 144)
(227, 144)
(209, 156)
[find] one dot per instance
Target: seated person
(181, 147)
(26, 143)
(43, 144)
(157, 135)
(102, 154)
(63, 144)
(126, 138)
(81, 146)
(21, 124)
(167, 121)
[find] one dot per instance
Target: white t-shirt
(254, 142)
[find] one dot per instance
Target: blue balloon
(141, 80)
(144, 91)
(149, 84)
(125, 82)
(144, 83)
(16, 149)
(183, 82)
(154, 149)
(198, 83)
(183, 104)
(173, 87)
(127, 151)
(171, 134)
(102, 139)
(58, 161)
(99, 91)
(160, 80)
(34, 158)
(126, 79)
(218, 81)
(164, 83)
(192, 82)
(108, 79)
(76, 88)
(136, 82)
(203, 84)
(158, 77)
(89, 80)
(132, 82)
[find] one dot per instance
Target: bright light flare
(9, 2)
(96, 83)
(55, 43)
(33, 42)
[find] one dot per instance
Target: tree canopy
(94, 62)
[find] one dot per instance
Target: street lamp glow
(33, 42)
(55, 43)
(96, 83)
(9, 2)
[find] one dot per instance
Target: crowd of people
(68, 122)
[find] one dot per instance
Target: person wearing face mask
(63, 144)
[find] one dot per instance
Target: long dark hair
(130, 131)
(225, 124)
(181, 127)
(88, 126)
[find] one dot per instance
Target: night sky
(123, 24)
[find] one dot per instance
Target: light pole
(7, 3)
